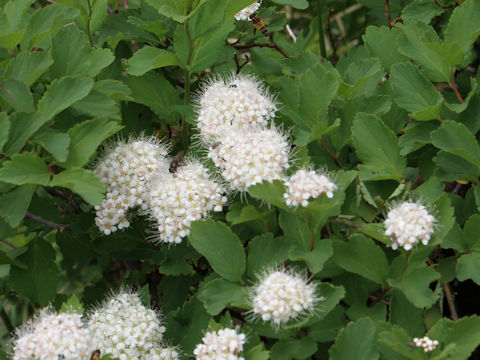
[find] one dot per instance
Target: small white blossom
(240, 101)
(224, 344)
(282, 295)
(162, 353)
(126, 170)
(176, 200)
(245, 13)
(305, 185)
(409, 223)
(53, 336)
(124, 328)
(246, 158)
(426, 343)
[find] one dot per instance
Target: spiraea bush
(204, 179)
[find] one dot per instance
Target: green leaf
(4, 129)
(29, 66)
(363, 257)
(73, 304)
(83, 182)
(356, 341)
(421, 10)
(303, 348)
(265, 251)
(15, 12)
(97, 104)
(150, 58)
(25, 168)
(414, 93)
(174, 9)
(56, 143)
(269, 192)
(115, 89)
(456, 139)
(463, 28)
(100, 59)
(380, 43)
(298, 4)
(221, 247)
(11, 40)
(218, 294)
(467, 267)
(362, 78)
(85, 138)
(39, 281)
(16, 94)
(316, 258)
(295, 229)
(463, 333)
(99, 13)
(377, 146)
(393, 345)
(405, 314)
(23, 126)
(453, 168)
(14, 204)
(156, 92)
(62, 93)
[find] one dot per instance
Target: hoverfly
(176, 162)
(259, 24)
(95, 355)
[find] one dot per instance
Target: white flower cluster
(167, 353)
(305, 185)
(224, 344)
(245, 13)
(426, 343)
(176, 200)
(126, 170)
(247, 158)
(124, 328)
(282, 295)
(409, 223)
(53, 336)
(239, 101)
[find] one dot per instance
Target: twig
(51, 1)
(443, 6)
(240, 66)
(8, 243)
(48, 223)
(272, 44)
(125, 4)
(450, 301)
(330, 36)
(387, 13)
(321, 39)
(455, 89)
(332, 155)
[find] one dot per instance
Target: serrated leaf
(377, 146)
(86, 137)
(316, 258)
(29, 66)
(15, 12)
(56, 143)
(287, 349)
(298, 4)
(265, 251)
(72, 305)
(270, 192)
(217, 294)
(363, 257)
(97, 104)
(83, 182)
(361, 78)
(25, 168)
(421, 10)
(17, 95)
(12, 39)
(115, 89)
(14, 204)
(62, 93)
(150, 58)
(467, 267)
(414, 93)
(456, 139)
(356, 341)
(39, 281)
(221, 247)
(452, 168)
(4, 129)
(380, 43)
(98, 15)
(174, 9)
(23, 126)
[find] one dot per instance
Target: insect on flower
(176, 162)
(259, 24)
(95, 355)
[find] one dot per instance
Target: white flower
(409, 223)
(124, 328)
(305, 185)
(282, 295)
(245, 13)
(176, 200)
(246, 158)
(224, 344)
(160, 353)
(240, 100)
(126, 170)
(426, 343)
(51, 336)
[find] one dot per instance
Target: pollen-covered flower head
(123, 327)
(238, 100)
(282, 295)
(426, 343)
(53, 336)
(246, 158)
(126, 169)
(245, 13)
(176, 200)
(162, 353)
(409, 223)
(305, 185)
(224, 344)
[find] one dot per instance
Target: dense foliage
(383, 94)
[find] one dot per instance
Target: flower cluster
(426, 343)
(224, 344)
(176, 200)
(126, 170)
(53, 336)
(305, 185)
(247, 158)
(124, 328)
(158, 353)
(409, 223)
(245, 13)
(282, 295)
(239, 101)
